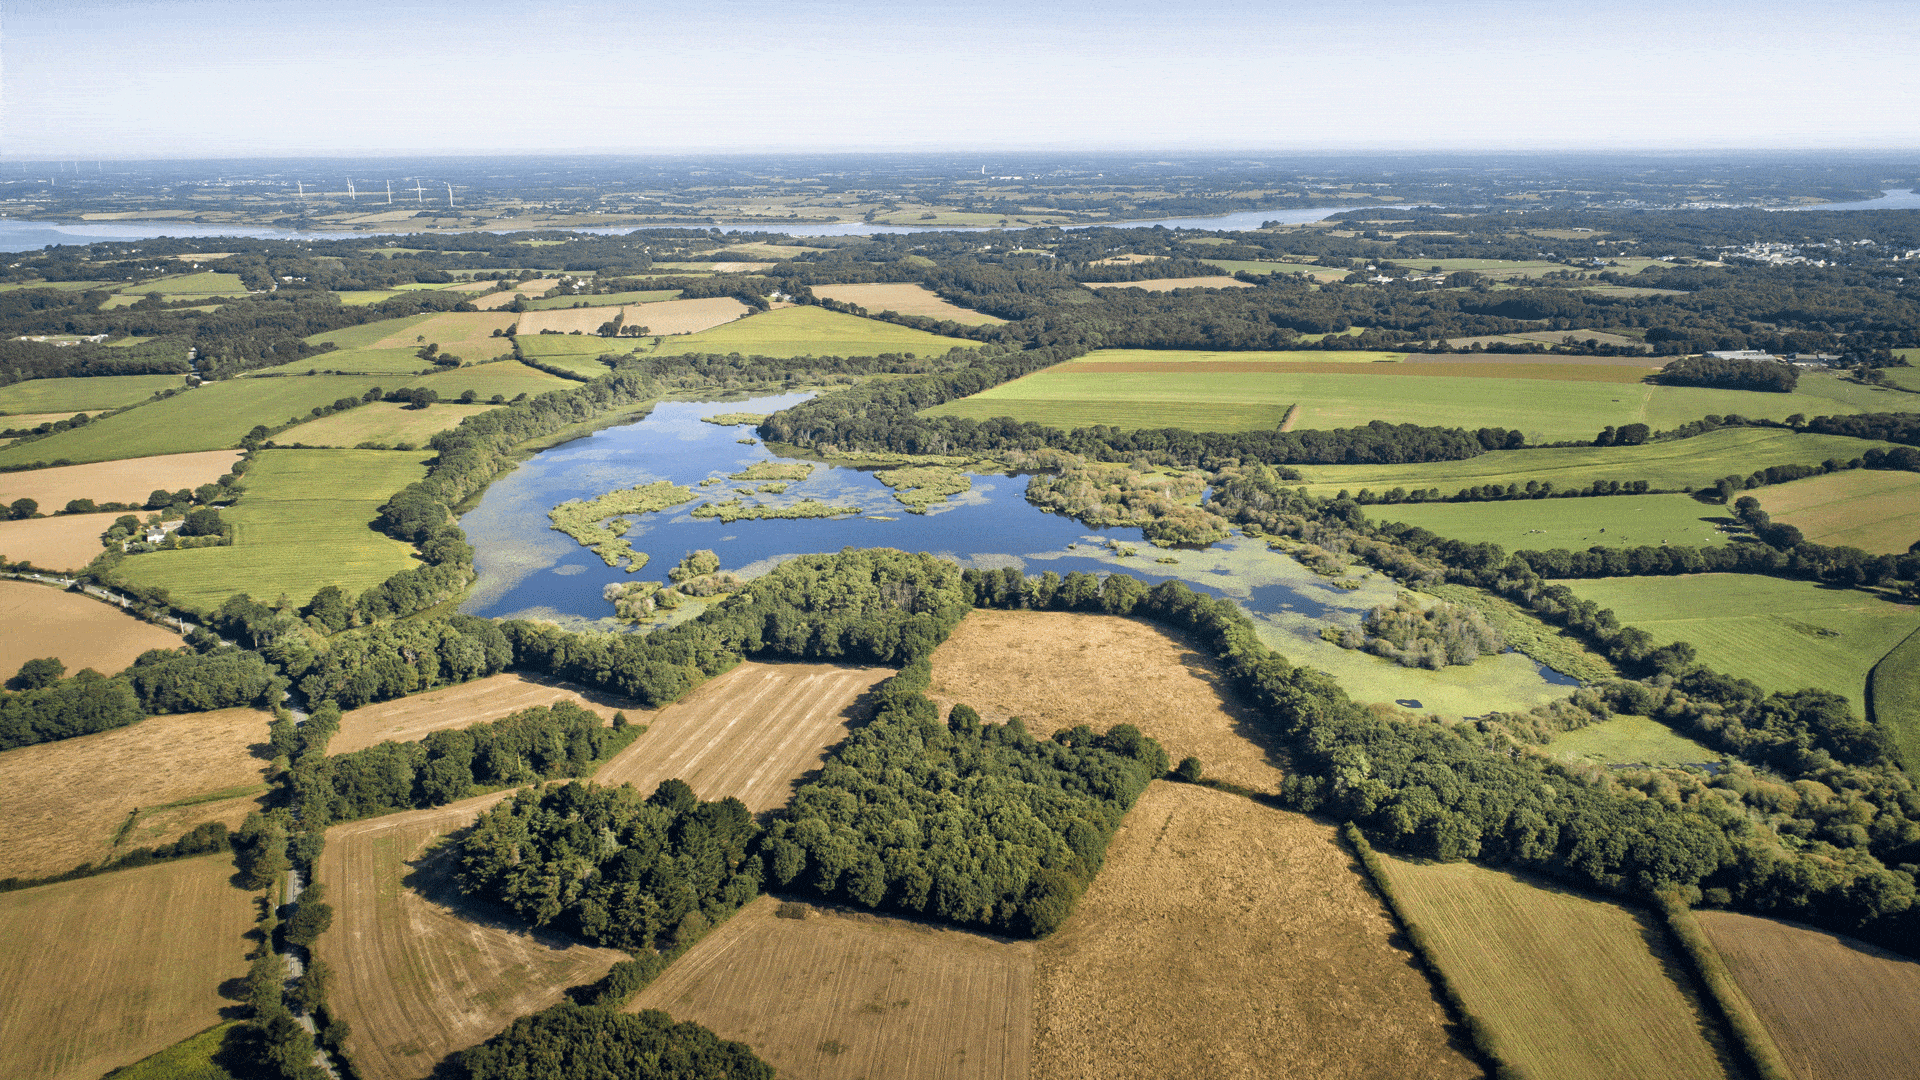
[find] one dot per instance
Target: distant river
(527, 569)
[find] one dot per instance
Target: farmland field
(65, 803)
(1224, 938)
(65, 397)
(1895, 682)
(104, 971)
(1680, 463)
(840, 995)
(1784, 635)
(1256, 360)
(369, 335)
(204, 283)
(508, 378)
(1872, 510)
(411, 718)
(811, 331)
(354, 362)
(468, 333)
(212, 417)
(1838, 1009)
(116, 481)
(191, 1059)
(581, 354)
(383, 422)
(418, 970)
(1626, 740)
(40, 620)
(749, 733)
(304, 522)
(1070, 396)
(1307, 363)
(907, 299)
(1572, 987)
(1573, 524)
(62, 542)
(665, 317)
(1170, 284)
(1261, 266)
(637, 296)
(1059, 669)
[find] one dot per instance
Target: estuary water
(527, 569)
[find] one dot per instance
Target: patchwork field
(1784, 635)
(1228, 939)
(87, 799)
(1872, 510)
(1573, 524)
(413, 717)
(39, 620)
(840, 995)
(581, 354)
(420, 972)
(1572, 987)
(1839, 1009)
(750, 733)
(1626, 740)
(64, 397)
(127, 481)
(1170, 284)
(665, 317)
(1681, 463)
(305, 522)
(1058, 669)
(809, 331)
(906, 299)
(104, 971)
(386, 423)
(212, 417)
(62, 542)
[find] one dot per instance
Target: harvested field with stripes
(127, 481)
(1873, 510)
(414, 717)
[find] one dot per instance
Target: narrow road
(296, 969)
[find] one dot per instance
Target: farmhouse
(1742, 354)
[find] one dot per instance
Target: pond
(529, 570)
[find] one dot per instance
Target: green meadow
(810, 331)
(1783, 635)
(1679, 463)
(1210, 356)
(1574, 524)
(355, 362)
(83, 395)
(383, 423)
(205, 283)
(368, 334)
(1631, 739)
(508, 378)
(1895, 683)
(212, 417)
(1261, 266)
(639, 296)
(304, 522)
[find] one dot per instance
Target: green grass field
(205, 283)
(212, 417)
(1877, 511)
(304, 522)
(70, 396)
(1627, 740)
(811, 331)
(1206, 356)
(1896, 701)
(1548, 410)
(56, 286)
(356, 362)
(578, 352)
(386, 423)
(188, 1060)
(363, 297)
(509, 378)
(1783, 635)
(1574, 524)
(1261, 266)
(641, 296)
(1680, 463)
(364, 336)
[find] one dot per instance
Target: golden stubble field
(129, 481)
(100, 972)
(1057, 669)
(907, 299)
(65, 803)
(844, 995)
(1223, 939)
(63, 542)
(1838, 1009)
(412, 718)
(40, 620)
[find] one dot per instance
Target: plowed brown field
(842, 995)
(1839, 1009)
(101, 972)
(751, 733)
(412, 718)
(1223, 939)
(907, 299)
(63, 803)
(1058, 669)
(129, 481)
(39, 620)
(64, 542)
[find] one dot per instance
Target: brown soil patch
(1059, 669)
(39, 620)
(1639, 362)
(64, 803)
(752, 733)
(104, 971)
(907, 299)
(1221, 281)
(839, 995)
(129, 481)
(62, 542)
(1558, 372)
(412, 718)
(1223, 939)
(467, 333)
(420, 971)
(1839, 1009)
(1873, 510)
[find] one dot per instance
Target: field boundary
(1760, 1053)
(1901, 722)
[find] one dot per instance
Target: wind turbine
(303, 192)
(449, 196)
(351, 194)
(419, 193)
(389, 193)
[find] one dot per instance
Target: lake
(529, 570)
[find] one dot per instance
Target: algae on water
(586, 520)
(736, 510)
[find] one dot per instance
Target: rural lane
(297, 967)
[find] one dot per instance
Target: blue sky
(197, 78)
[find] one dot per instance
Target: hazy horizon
(223, 79)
